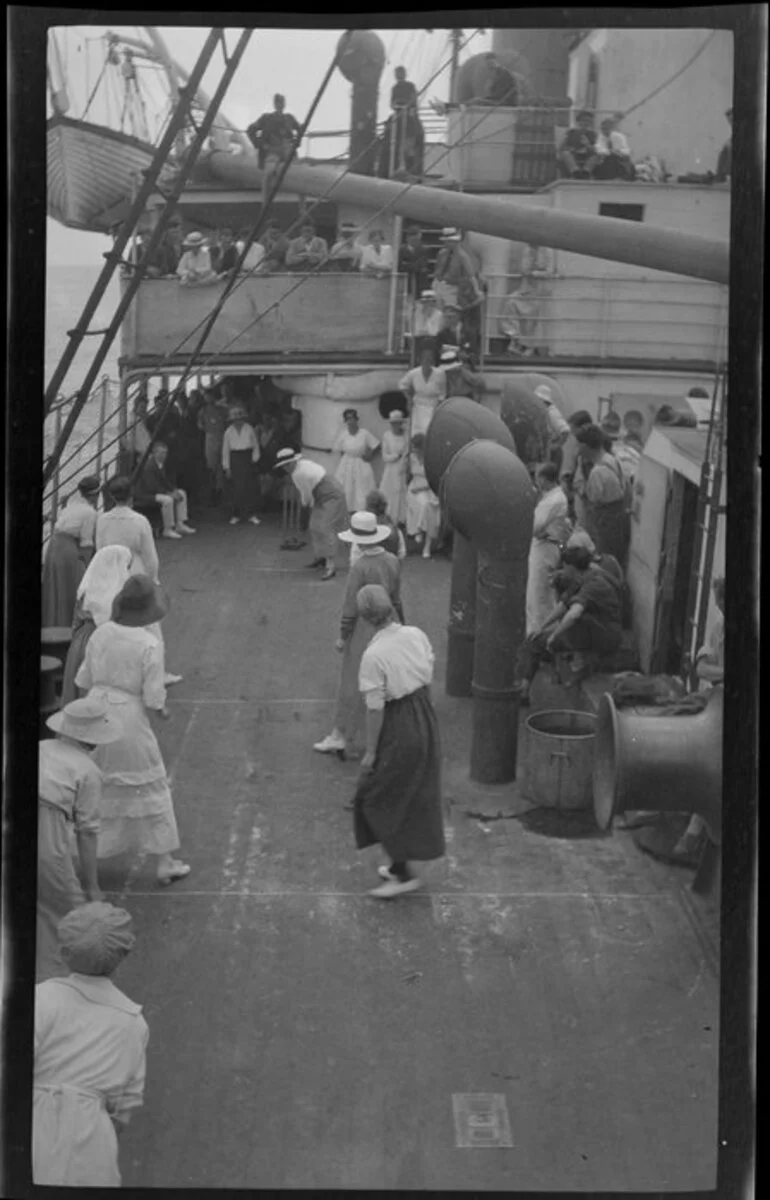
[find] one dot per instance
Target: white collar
(100, 990)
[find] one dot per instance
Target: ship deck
(304, 1035)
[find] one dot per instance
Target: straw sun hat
(194, 239)
(396, 415)
(139, 602)
(364, 530)
(86, 720)
(287, 456)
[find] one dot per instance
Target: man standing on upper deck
(273, 136)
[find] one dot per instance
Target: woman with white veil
(104, 578)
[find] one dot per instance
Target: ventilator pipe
(663, 763)
(457, 422)
(610, 238)
(524, 415)
(361, 63)
(490, 501)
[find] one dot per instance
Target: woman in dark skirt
(104, 578)
(398, 800)
(68, 553)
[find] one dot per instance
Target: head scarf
(95, 938)
(105, 575)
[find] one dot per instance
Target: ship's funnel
(361, 62)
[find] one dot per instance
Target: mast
(455, 37)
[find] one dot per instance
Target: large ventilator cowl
(524, 415)
(459, 421)
(363, 54)
(490, 500)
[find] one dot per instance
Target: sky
(291, 61)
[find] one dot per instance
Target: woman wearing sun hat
(374, 565)
(195, 264)
(354, 471)
(69, 798)
(325, 496)
(240, 455)
(69, 550)
(90, 1054)
(124, 667)
(394, 455)
(105, 575)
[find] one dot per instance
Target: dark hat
(140, 602)
(350, 412)
(585, 113)
(89, 485)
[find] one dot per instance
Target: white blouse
(393, 446)
(551, 519)
(398, 661)
(78, 519)
(70, 779)
(128, 658)
(374, 261)
(432, 388)
(355, 445)
(306, 476)
(239, 439)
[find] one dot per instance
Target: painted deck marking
(481, 1121)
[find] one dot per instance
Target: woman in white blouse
(240, 454)
(376, 256)
(550, 530)
(68, 553)
(354, 470)
(425, 386)
(124, 667)
(398, 799)
(394, 455)
(423, 511)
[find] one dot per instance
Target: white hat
(364, 530)
(286, 456)
(428, 294)
(87, 720)
(194, 239)
(543, 392)
(450, 355)
(450, 234)
(396, 415)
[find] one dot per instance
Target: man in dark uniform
(273, 136)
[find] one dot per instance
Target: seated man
(577, 153)
(307, 251)
(614, 153)
(345, 254)
(585, 623)
(376, 256)
(154, 486)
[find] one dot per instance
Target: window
(626, 212)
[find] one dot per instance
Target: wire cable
(676, 75)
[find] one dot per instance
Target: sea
(67, 290)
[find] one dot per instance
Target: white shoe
(396, 887)
(386, 873)
(254, 521)
(330, 745)
(235, 520)
(182, 528)
(426, 552)
(169, 680)
(172, 534)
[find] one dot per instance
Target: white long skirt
(544, 557)
(74, 1143)
(393, 488)
(423, 514)
(137, 813)
(357, 479)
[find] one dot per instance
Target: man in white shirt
(614, 153)
(376, 256)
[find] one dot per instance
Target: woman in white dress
(354, 471)
(105, 575)
(69, 551)
(423, 513)
(550, 531)
(124, 666)
(90, 1054)
(425, 387)
(394, 453)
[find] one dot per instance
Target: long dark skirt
(83, 627)
(398, 803)
(242, 483)
(63, 570)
